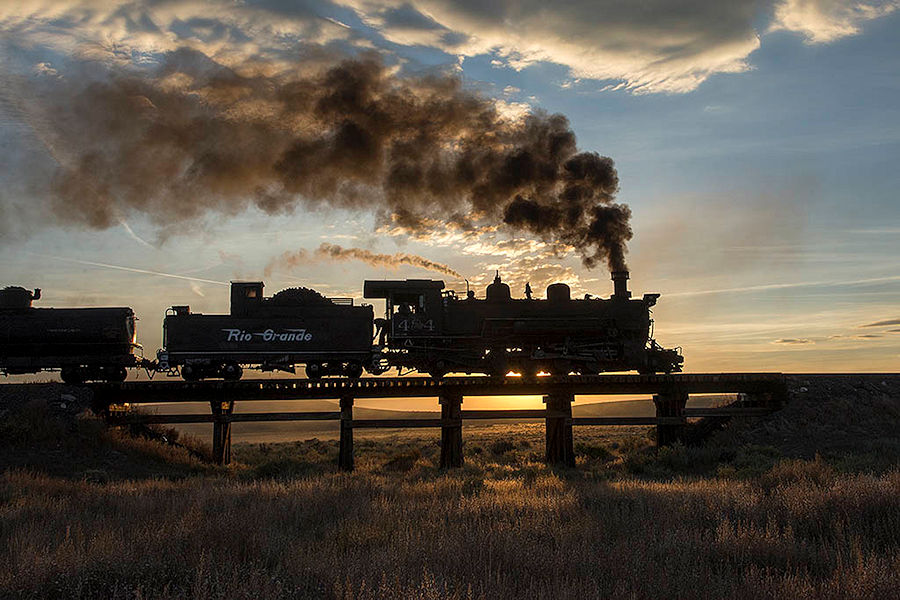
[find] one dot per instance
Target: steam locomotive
(425, 328)
(435, 331)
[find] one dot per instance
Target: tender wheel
(72, 375)
(232, 371)
(559, 369)
(498, 365)
(116, 374)
(190, 373)
(438, 370)
(529, 371)
(354, 370)
(314, 370)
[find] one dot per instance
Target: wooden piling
(345, 453)
(670, 404)
(559, 447)
(221, 437)
(451, 430)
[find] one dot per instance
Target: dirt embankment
(830, 415)
(49, 428)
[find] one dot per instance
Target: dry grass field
(752, 514)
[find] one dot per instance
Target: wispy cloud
(782, 286)
(822, 21)
(90, 263)
(135, 236)
(793, 341)
(885, 323)
(876, 231)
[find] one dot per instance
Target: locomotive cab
(412, 307)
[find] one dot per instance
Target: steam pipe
(620, 285)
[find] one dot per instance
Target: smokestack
(620, 285)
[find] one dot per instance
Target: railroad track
(395, 387)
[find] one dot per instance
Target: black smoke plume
(190, 137)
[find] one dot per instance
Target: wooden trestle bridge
(762, 393)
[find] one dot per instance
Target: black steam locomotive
(83, 343)
(425, 329)
(436, 332)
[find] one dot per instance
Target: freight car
(330, 336)
(83, 343)
(436, 332)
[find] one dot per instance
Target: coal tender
(297, 326)
(84, 344)
(437, 332)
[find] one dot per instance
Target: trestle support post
(451, 430)
(345, 452)
(670, 404)
(559, 447)
(222, 409)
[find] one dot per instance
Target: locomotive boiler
(83, 343)
(434, 331)
(330, 336)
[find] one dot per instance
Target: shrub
(594, 451)
(501, 447)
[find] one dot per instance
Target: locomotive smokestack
(620, 285)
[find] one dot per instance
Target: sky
(755, 144)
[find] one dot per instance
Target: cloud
(885, 323)
(893, 330)
(511, 248)
(538, 271)
(261, 34)
(867, 336)
(822, 21)
(653, 46)
(783, 286)
(643, 47)
(793, 341)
